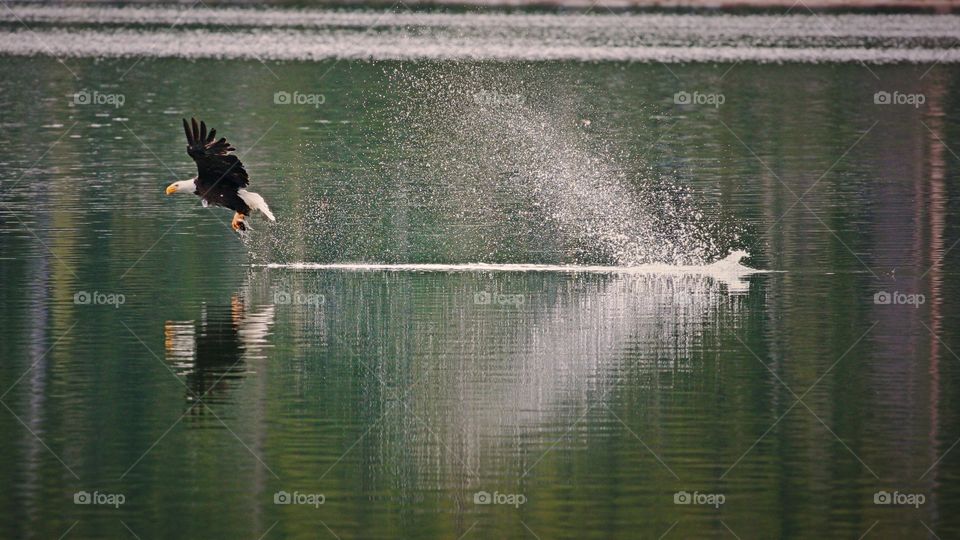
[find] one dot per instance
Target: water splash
(494, 140)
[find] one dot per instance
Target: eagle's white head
(183, 186)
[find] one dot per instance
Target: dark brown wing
(215, 164)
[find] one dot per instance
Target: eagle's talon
(237, 223)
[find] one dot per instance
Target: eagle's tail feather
(256, 202)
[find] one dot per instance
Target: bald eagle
(221, 178)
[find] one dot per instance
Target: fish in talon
(221, 178)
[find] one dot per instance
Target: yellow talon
(237, 223)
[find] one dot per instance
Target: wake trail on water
(730, 269)
(731, 264)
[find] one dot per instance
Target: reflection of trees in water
(489, 379)
(211, 353)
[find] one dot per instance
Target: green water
(592, 398)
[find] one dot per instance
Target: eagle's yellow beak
(172, 188)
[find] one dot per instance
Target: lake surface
(490, 306)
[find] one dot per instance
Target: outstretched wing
(215, 164)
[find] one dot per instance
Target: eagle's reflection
(214, 353)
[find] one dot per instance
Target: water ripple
(318, 34)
